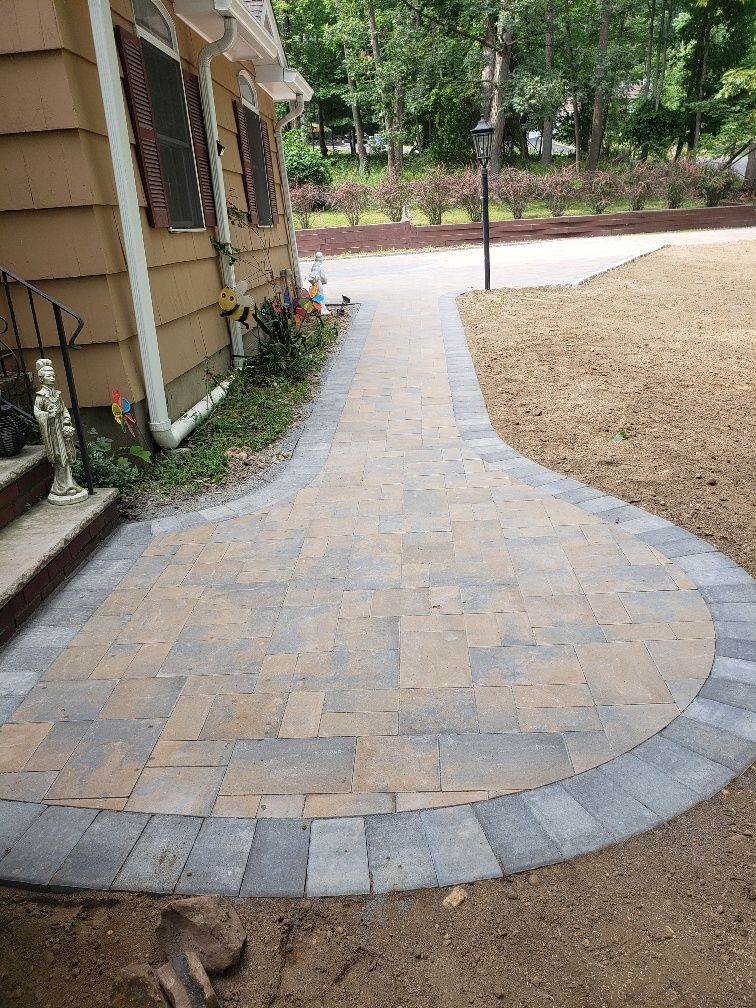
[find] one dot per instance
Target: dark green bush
(304, 164)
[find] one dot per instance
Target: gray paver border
(707, 745)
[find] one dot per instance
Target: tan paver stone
(412, 801)
(236, 807)
(347, 669)
(100, 630)
(18, 743)
(176, 790)
(250, 716)
(361, 700)
(627, 726)
(64, 701)
(608, 608)
(496, 709)
(396, 764)
(445, 601)
(435, 711)
(665, 606)
(187, 718)
(639, 632)
(329, 806)
(142, 698)
(588, 749)
(190, 754)
(58, 745)
(681, 579)
(502, 762)
(304, 629)
(258, 625)
(561, 610)
(115, 661)
(122, 601)
(525, 666)
(700, 629)
(552, 695)
(684, 690)
(302, 714)
(76, 662)
(401, 602)
(359, 723)
(368, 634)
(454, 622)
(24, 785)
(281, 807)
(212, 685)
(356, 603)
(433, 660)
(110, 804)
(558, 719)
(682, 659)
(229, 657)
(108, 760)
(277, 673)
(291, 767)
(622, 673)
(482, 630)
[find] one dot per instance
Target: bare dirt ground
(663, 349)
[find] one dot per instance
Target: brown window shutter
(265, 134)
(201, 145)
(246, 162)
(145, 136)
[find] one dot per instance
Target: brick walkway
(261, 698)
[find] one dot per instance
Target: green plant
(286, 349)
(558, 189)
(304, 164)
(679, 180)
(599, 189)
(433, 193)
(112, 467)
(516, 189)
(717, 183)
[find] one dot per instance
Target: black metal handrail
(8, 281)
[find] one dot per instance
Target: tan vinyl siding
(59, 220)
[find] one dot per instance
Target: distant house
(125, 127)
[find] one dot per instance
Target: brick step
(42, 546)
(24, 480)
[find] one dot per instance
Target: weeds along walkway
(415, 659)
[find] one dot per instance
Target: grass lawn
(332, 218)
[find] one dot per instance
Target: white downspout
(294, 113)
(223, 228)
(128, 207)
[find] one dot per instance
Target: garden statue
(318, 280)
(57, 432)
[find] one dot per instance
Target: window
(256, 157)
(173, 161)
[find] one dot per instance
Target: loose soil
(664, 350)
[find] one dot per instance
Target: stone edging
(690, 759)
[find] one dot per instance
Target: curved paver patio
(417, 658)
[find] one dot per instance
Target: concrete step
(45, 544)
(24, 479)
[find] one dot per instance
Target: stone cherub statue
(57, 432)
(318, 280)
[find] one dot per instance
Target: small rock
(186, 983)
(137, 987)
(206, 925)
(454, 898)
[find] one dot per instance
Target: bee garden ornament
(234, 305)
(57, 432)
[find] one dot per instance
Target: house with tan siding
(126, 127)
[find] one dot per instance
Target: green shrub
(112, 467)
(304, 164)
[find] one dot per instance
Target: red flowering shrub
(515, 189)
(598, 189)
(353, 199)
(391, 196)
(304, 199)
(639, 184)
(433, 193)
(679, 181)
(466, 193)
(558, 189)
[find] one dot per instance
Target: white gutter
(294, 113)
(223, 227)
(128, 207)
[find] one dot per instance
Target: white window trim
(148, 36)
(254, 107)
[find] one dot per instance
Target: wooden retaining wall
(374, 237)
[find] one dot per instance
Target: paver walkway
(412, 618)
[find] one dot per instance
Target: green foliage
(651, 130)
(112, 467)
(304, 164)
(716, 183)
(287, 350)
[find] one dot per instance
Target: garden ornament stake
(318, 280)
(57, 432)
(482, 139)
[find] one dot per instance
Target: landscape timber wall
(377, 237)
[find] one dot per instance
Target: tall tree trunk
(649, 49)
(661, 54)
(321, 131)
(547, 133)
(573, 81)
(749, 179)
(398, 120)
(359, 133)
(501, 74)
(388, 117)
(702, 82)
(486, 74)
(599, 98)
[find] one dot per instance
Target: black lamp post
(483, 139)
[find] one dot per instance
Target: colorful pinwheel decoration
(303, 307)
(123, 413)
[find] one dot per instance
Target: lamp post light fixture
(483, 140)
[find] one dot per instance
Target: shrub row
(439, 191)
